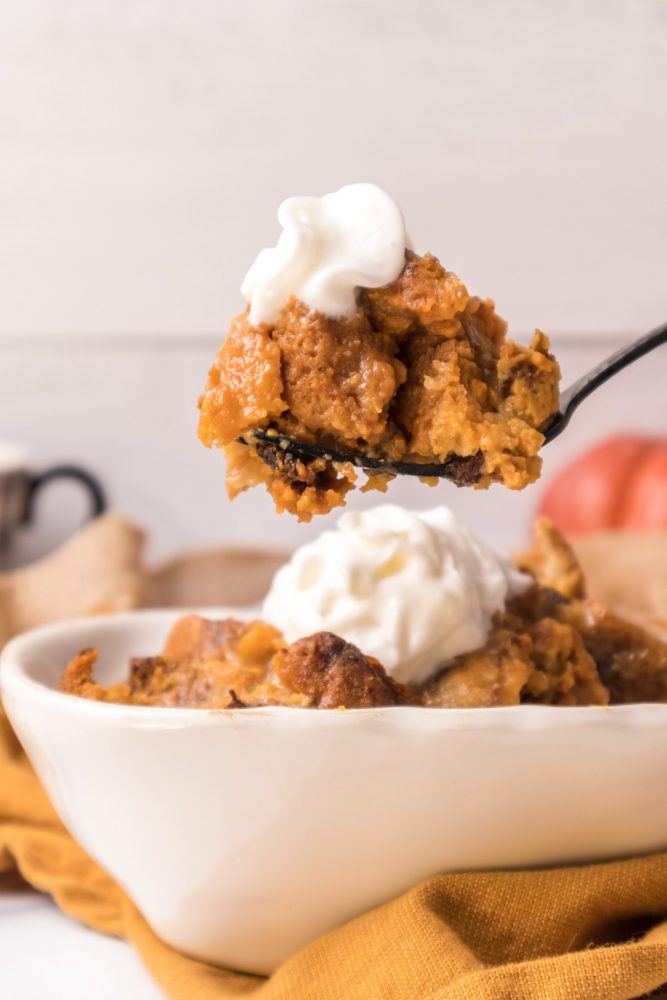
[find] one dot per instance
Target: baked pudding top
(549, 645)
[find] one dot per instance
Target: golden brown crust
(552, 561)
(335, 674)
(421, 372)
(202, 663)
(233, 664)
(492, 676)
(77, 679)
(423, 295)
(553, 647)
(544, 661)
(631, 660)
(194, 637)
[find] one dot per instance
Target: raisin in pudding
(399, 608)
(354, 342)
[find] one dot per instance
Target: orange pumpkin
(619, 484)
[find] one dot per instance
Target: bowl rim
(15, 682)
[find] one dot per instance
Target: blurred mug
(19, 488)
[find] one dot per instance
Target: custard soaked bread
(412, 369)
(421, 372)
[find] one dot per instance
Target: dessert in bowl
(242, 833)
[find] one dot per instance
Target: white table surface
(45, 955)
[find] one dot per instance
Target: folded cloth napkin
(563, 934)
(98, 570)
(578, 933)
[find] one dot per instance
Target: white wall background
(145, 144)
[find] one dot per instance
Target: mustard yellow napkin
(564, 934)
(598, 931)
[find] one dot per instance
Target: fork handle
(588, 383)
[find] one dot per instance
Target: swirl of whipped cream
(413, 589)
(352, 238)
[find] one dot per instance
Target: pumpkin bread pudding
(422, 372)
(414, 370)
(549, 646)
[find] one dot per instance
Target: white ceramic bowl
(242, 835)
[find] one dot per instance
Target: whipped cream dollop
(352, 238)
(413, 589)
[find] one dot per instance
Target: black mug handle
(98, 501)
